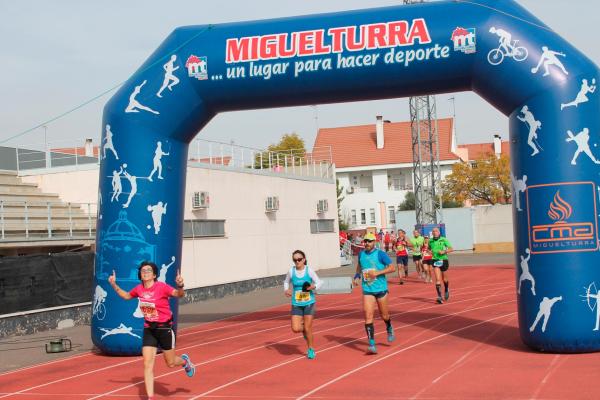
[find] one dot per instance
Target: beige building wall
(493, 229)
(257, 244)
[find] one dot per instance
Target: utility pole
(426, 156)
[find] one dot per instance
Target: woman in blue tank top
(299, 284)
(372, 266)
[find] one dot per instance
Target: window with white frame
(372, 212)
(353, 216)
(392, 214)
(363, 217)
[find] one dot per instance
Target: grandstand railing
(30, 220)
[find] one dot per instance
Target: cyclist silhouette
(506, 48)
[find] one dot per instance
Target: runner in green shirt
(440, 247)
(417, 243)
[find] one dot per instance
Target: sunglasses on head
(297, 259)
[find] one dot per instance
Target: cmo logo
(555, 225)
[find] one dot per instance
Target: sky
(57, 55)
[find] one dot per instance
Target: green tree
(342, 224)
(289, 151)
(410, 201)
(486, 181)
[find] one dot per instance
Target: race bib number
(438, 263)
(149, 310)
(366, 277)
(400, 247)
(301, 297)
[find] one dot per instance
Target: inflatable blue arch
(495, 48)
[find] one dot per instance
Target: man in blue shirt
(373, 265)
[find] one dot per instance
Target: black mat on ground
(42, 281)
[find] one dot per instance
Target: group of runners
(300, 284)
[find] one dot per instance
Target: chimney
(497, 145)
(88, 148)
(379, 131)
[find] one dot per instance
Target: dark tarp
(42, 281)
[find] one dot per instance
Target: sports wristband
(356, 276)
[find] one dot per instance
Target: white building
(257, 236)
(374, 166)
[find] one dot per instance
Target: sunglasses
(367, 241)
(297, 259)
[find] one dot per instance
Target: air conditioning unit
(322, 206)
(200, 200)
(350, 190)
(272, 204)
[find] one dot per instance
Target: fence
(46, 220)
(317, 163)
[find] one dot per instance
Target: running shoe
(372, 349)
(190, 369)
(390, 332)
(439, 300)
(447, 295)
(310, 354)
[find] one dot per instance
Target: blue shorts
(303, 310)
(402, 260)
(377, 295)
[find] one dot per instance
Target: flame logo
(560, 210)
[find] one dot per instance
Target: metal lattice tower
(426, 156)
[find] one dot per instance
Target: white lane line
(198, 345)
(398, 352)
(461, 361)
(296, 338)
(336, 346)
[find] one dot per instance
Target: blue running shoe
(190, 369)
(390, 332)
(310, 354)
(372, 349)
(447, 295)
(439, 300)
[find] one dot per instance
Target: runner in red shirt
(401, 247)
(427, 258)
(386, 241)
(158, 320)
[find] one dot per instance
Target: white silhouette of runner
(505, 40)
(133, 181)
(157, 211)
(534, 125)
(545, 310)
(582, 95)
(109, 143)
(121, 329)
(526, 275)
(519, 186)
(116, 183)
(170, 79)
(549, 58)
(158, 153)
(582, 139)
(136, 106)
(163, 270)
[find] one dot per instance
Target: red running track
(467, 348)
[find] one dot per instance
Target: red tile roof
(353, 146)
(80, 151)
(480, 150)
